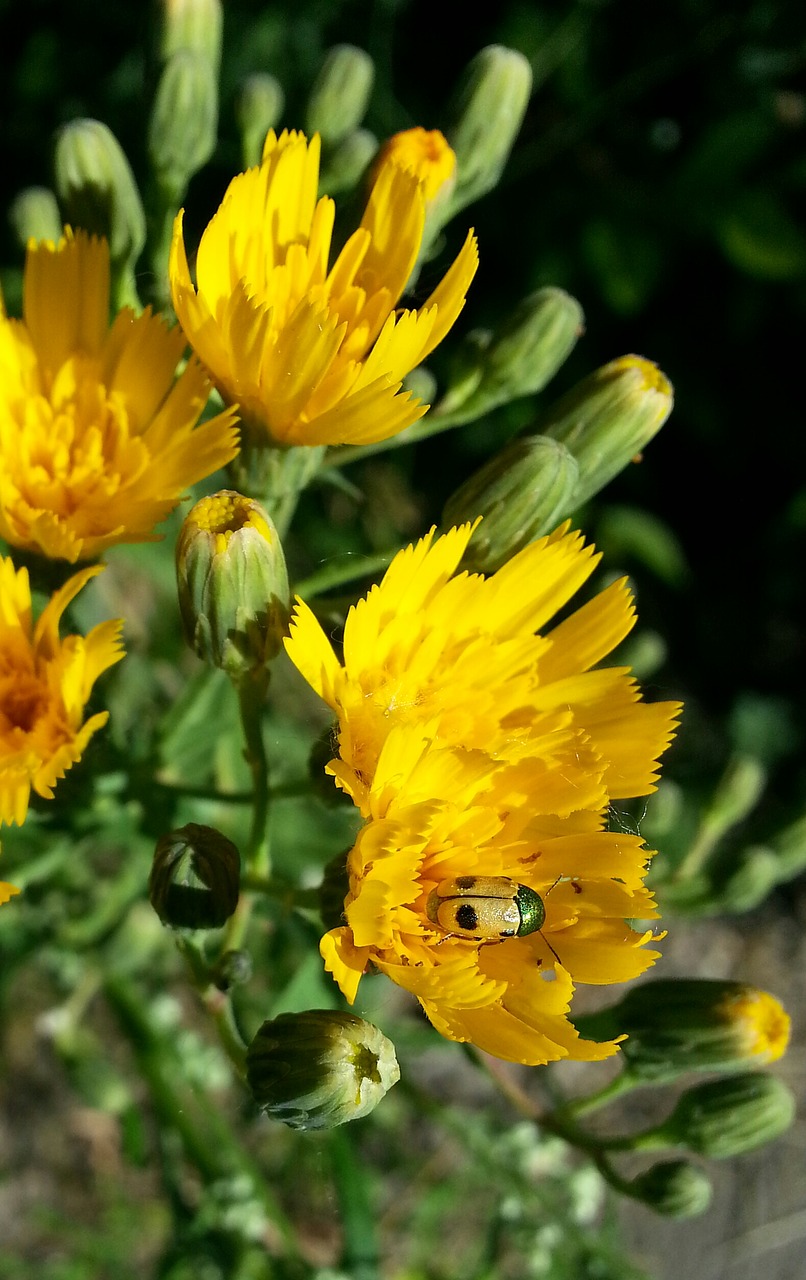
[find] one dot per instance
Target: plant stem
(360, 1251)
(336, 573)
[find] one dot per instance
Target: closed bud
(527, 351)
(232, 583)
(340, 95)
(486, 114)
(727, 1117)
(194, 25)
(319, 1069)
(184, 121)
(521, 493)
(97, 190)
(674, 1188)
(345, 165)
(34, 215)
(675, 1026)
(258, 108)
(608, 418)
(195, 878)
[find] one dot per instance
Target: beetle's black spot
(465, 882)
(466, 917)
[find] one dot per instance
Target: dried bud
(521, 494)
(674, 1188)
(232, 582)
(319, 1069)
(195, 878)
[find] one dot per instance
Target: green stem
(617, 1087)
(251, 698)
(206, 1137)
(360, 1257)
(432, 424)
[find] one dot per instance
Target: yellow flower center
(72, 450)
(225, 513)
(764, 1022)
(652, 378)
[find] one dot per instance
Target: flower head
(426, 153)
(484, 753)
(97, 439)
(45, 683)
(313, 354)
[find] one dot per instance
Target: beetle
(485, 908)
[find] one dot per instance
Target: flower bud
(184, 121)
(675, 1026)
(345, 165)
(232, 583)
(426, 154)
(522, 493)
(486, 114)
(338, 100)
(527, 351)
(674, 1188)
(258, 108)
(34, 215)
(608, 418)
(97, 190)
(194, 25)
(727, 1117)
(319, 1069)
(195, 878)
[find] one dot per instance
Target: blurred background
(660, 177)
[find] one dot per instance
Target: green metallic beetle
(485, 908)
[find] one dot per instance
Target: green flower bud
(344, 167)
(184, 121)
(193, 25)
(486, 114)
(338, 100)
(195, 878)
(97, 190)
(755, 875)
(521, 493)
(34, 215)
(258, 108)
(232, 582)
(319, 1069)
(233, 969)
(608, 418)
(527, 351)
(730, 1116)
(675, 1026)
(674, 1188)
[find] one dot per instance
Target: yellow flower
(45, 683)
(426, 153)
(313, 356)
(468, 654)
(477, 745)
(97, 440)
(437, 814)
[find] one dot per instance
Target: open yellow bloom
(469, 654)
(438, 814)
(313, 355)
(476, 745)
(45, 683)
(97, 439)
